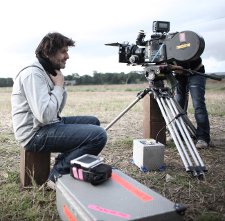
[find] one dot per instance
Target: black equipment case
(119, 198)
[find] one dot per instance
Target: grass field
(205, 200)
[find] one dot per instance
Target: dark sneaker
(201, 144)
(52, 178)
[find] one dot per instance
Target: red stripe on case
(138, 193)
(68, 214)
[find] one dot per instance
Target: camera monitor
(87, 161)
(161, 26)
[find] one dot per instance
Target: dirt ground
(204, 200)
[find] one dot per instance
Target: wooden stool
(153, 120)
(34, 166)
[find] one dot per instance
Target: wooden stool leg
(153, 120)
(34, 167)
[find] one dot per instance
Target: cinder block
(148, 154)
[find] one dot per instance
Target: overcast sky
(93, 23)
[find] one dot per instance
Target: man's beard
(56, 66)
(49, 66)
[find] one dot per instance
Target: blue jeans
(195, 84)
(72, 137)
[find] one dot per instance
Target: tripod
(180, 127)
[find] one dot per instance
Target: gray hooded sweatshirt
(35, 101)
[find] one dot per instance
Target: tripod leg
(199, 166)
(180, 134)
(192, 147)
(187, 121)
(122, 113)
(177, 139)
(139, 96)
(186, 165)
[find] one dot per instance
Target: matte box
(120, 198)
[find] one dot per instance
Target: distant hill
(217, 74)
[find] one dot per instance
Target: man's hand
(177, 69)
(58, 80)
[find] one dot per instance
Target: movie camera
(162, 47)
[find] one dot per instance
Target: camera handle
(189, 72)
(211, 76)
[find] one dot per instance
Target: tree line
(106, 78)
(97, 78)
(6, 82)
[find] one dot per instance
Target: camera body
(161, 47)
(150, 51)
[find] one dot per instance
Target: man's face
(58, 60)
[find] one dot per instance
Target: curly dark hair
(51, 43)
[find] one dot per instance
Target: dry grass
(205, 200)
